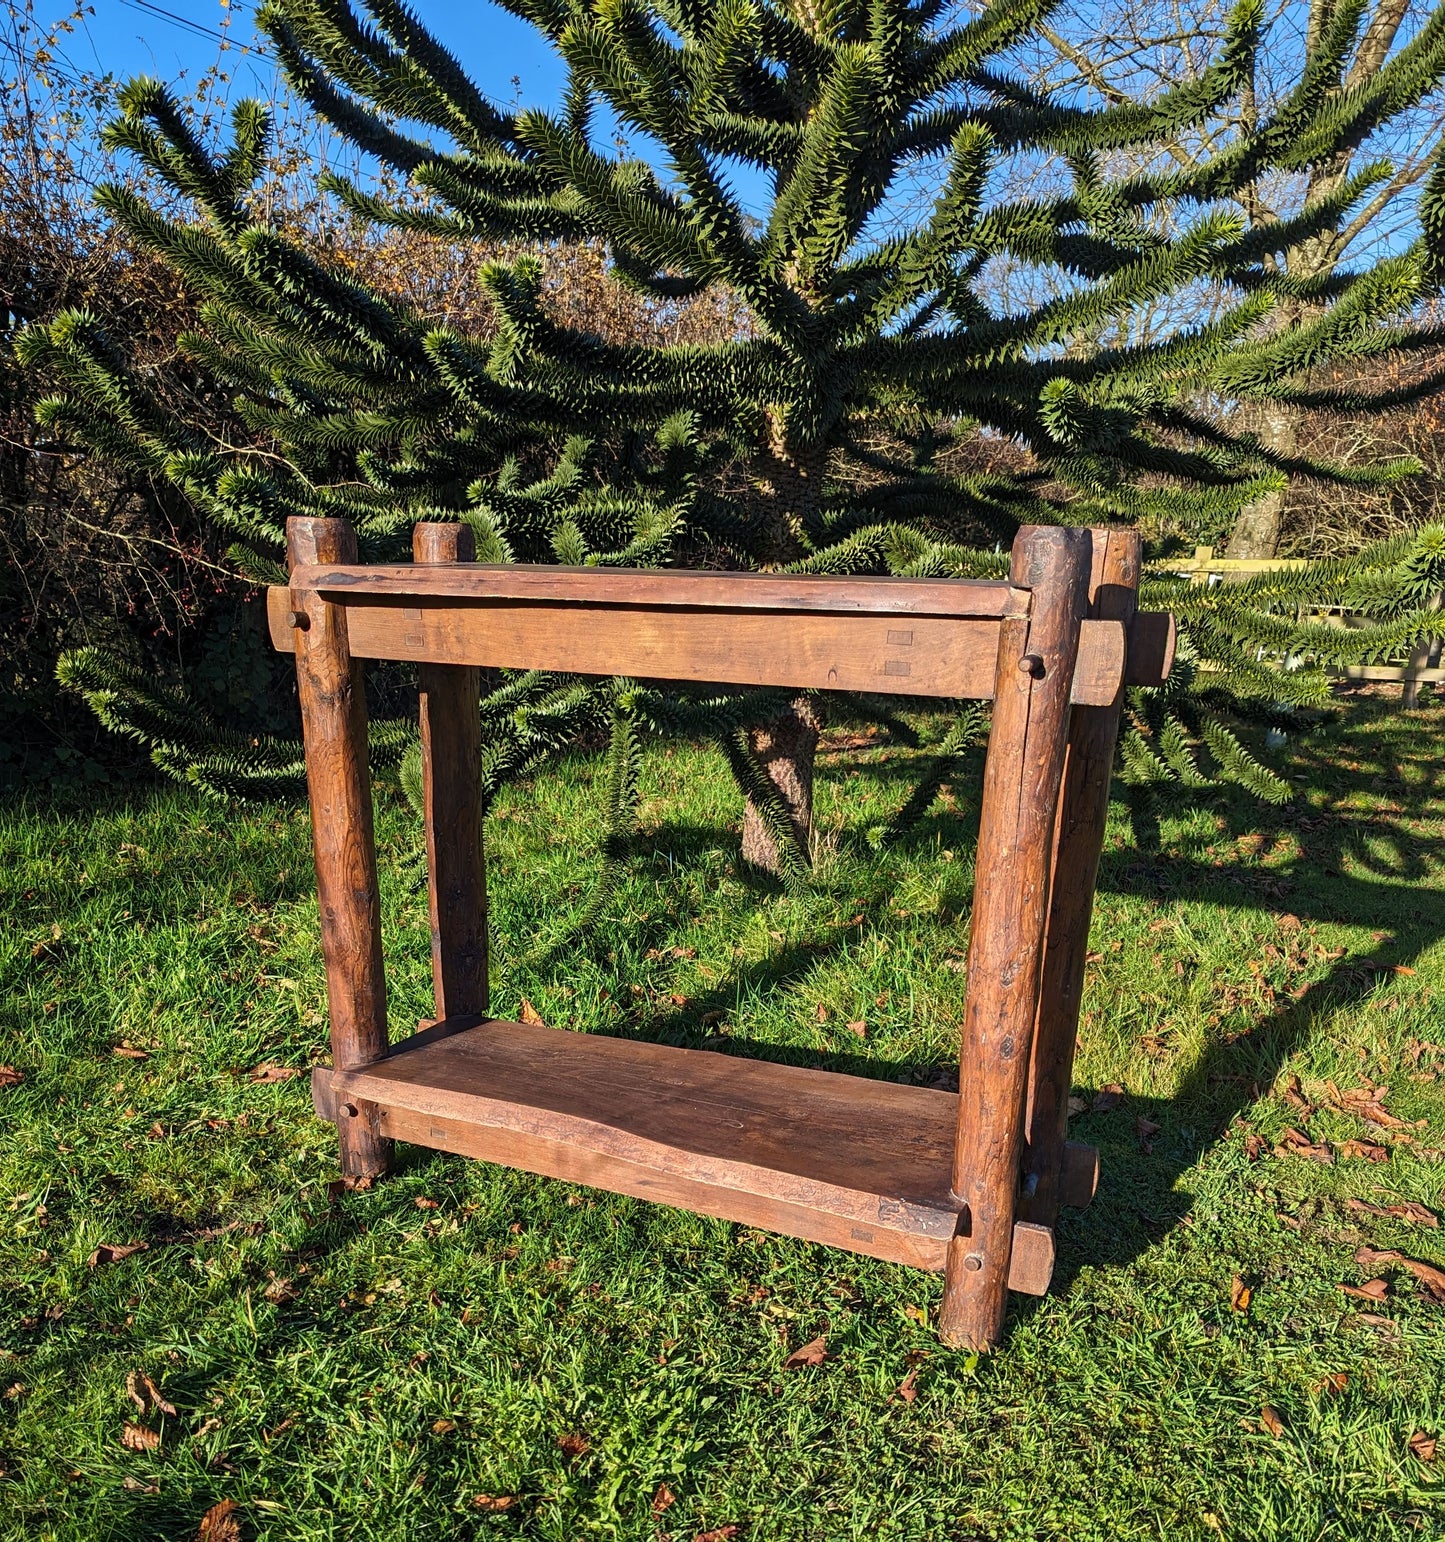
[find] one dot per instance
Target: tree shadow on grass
(1358, 868)
(1139, 1198)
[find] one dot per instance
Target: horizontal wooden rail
(1391, 674)
(912, 637)
(1203, 563)
(673, 588)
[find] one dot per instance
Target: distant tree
(1121, 52)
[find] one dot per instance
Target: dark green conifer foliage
(355, 406)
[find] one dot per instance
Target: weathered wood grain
(1078, 841)
(333, 720)
(678, 588)
(1022, 777)
(843, 1160)
(451, 749)
(927, 656)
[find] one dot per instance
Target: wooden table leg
(333, 718)
(1079, 839)
(1022, 778)
(451, 746)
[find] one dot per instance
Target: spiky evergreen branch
(339, 401)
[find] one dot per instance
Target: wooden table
(967, 1184)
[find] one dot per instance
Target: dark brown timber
(1022, 777)
(333, 720)
(969, 1185)
(677, 588)
(842, 1160)
(1078, 841)
(451, 758)
(811, 649)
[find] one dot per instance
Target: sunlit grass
(594, 1355)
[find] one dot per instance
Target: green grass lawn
(367, 1364)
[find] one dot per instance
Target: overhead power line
(146, 7)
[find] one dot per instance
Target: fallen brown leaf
(529, 1013)
(273, 1073)
(130, 1052)
(573, 1446)
(1422, 1446)
(1146, 1130)
(663, 1499)
(821, 1012)
(1107, 1098)
(280, 1291)
(917, 1314)
(907, 1388)
(1334, 1384)
(1429, 1276)
(1365, 1103)
(720, 1534)
(1296, 1143)
(814, 1352)
(135, 1486)
(1254, 1147)
(443, 1426)
(494, 1502)
(1240, 1295)
(144, 1393)
(339, 1186)
(1365, 1150)
(220, 1523)
(1294, 1096)
(422, 1202)
(1408, 1211)
(136, 1437)
(10, 1077)
(860, 1028)
(1371, 1290)
(112, 1253)
(1269, 1417)
(1077, 1105)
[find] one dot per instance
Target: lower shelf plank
(842, 1160)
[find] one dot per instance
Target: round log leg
(338, 778)
(1020, 799)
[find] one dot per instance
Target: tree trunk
(790, 476)
(1256, 531)
(785, 747)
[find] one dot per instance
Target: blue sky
(174, 38)
(168, 37)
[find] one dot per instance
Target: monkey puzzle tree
(1369, 43)
(760, 448)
